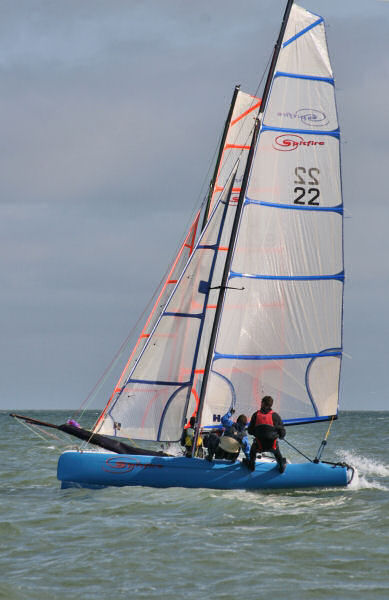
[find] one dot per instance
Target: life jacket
(264, 418)
(265, 432)
(189, 435)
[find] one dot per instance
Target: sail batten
(338, 209)
(329, 80)
(335, 132)
(303, 31)
(337, 276)
(218, 355)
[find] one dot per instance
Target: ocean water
(135, 543)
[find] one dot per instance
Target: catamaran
(254, 307)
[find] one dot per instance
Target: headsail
(162, 387)
(234, 147)
(282, 334)
(173, 275)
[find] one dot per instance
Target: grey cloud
(110, 113)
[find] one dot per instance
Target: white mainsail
(282, 334)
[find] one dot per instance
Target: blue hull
(95, 470)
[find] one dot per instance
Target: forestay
(282, 334)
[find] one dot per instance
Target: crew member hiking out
(267, 426)
(233, 439)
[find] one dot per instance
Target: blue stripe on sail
(332, 133)
(156, 382)
(166, 409)
(308, 28)
(207, 247)
(219, 355)
(186, 315)
(305, 420)
(337, 209)
(310, 395)
(230, 385)
(338, 276)
(330, 80)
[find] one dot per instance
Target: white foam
(366, 466)
(364, 469)
(360, 482)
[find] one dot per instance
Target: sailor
(187, 438)
(267, 426)
(233, 439)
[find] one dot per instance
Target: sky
(110, 114)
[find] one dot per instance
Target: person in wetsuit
(266, 426)
(234, 439)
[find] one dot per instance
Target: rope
(34, 430)
(297, 450)
(329, 427)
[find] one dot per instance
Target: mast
(235, 226)
(276, 53)
(219, 156)
(223, 285)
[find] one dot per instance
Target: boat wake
(365, 469)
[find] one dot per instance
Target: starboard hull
(96, 469)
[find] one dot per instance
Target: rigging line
(206, 178)
(263, 74)
(297, 450)
(219, 159)
(96, 388)
(329, 427)
(255, 97)
(35, 431)
(324, 442)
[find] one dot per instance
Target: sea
(145, 543)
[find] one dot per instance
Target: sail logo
(291, 141)
(311, 117)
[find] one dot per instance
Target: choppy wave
(366, 471)
(161, 544)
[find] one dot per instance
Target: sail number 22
(305, 178)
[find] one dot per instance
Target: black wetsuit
(267, 427)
